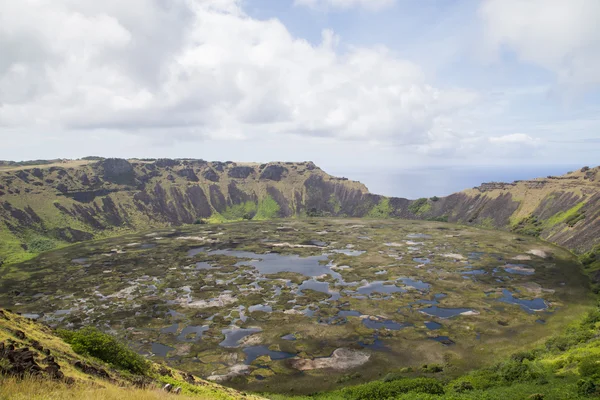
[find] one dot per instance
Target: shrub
(432, 368)
(513, 371)
(523, 355)
(589, 367)
(199, 222)
(387, 390)
(91, 342)
(40, 244)
(536, 396)
(586, 387)
(434, 198)
(463, 386)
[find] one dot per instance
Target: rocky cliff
(51, 204)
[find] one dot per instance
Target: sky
(349, 84)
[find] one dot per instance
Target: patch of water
(445, 340)
(377, 345)
(290, 337)
(386, 324)
(348, 313)
(436, 311)
(260, 307)
(233, 336)
(254, 352)
(351, 253)
(519, 269)
(197, 250)
(529, 306)
(79, 260)
(160, 349)
(419, 285)
(432, 326)
(31, 316)
(422, 260)
(318, 286)
(170, 329)
(474, 272)
(475, 255)
(147, 246)
(418, 236)
(192, 333)
(272, 263)
(203, 265)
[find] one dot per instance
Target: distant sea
(441, 181)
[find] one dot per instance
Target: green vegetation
(267, 209)
(335, 203)
(381, 210)
(566, 367)
(420, 206)
(570, 217)
(90, 341)
(40, 244)
(241, 211)
(528, 226)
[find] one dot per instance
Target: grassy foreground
(114, 382)
(35, 388)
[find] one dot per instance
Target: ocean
(415, 183)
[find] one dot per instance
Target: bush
(589, 367)
(40, 244)
(513, 371)
(435, 198)
(91, 342)
(199, 222)
(431, 368)
(586, 387)
(387, 390)
(522, 356)
(536, 396)
(463, 386)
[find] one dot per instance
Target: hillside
(37, 364)
(48, 204)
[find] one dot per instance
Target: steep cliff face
(53, 203)
(561, 209)
(49, 205)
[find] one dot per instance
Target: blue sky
(350, 84)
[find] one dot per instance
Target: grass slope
(80, 385)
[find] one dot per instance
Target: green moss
(267, 209)
(420, 206)
(381, 210)
(530, 226)
(570, 215)
(335, 204)
(240, 211)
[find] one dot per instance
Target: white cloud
(514, 138)
(373, 5)
(203, 69)
(562, 36)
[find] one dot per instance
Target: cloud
(197, 69)
(560, 36)
(372, 5)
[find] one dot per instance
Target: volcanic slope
(44, 205)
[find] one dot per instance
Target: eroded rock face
(189, 174)
(116, 170)
(211, 175)
(341, 359)
(240, 172)
(273, 172)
